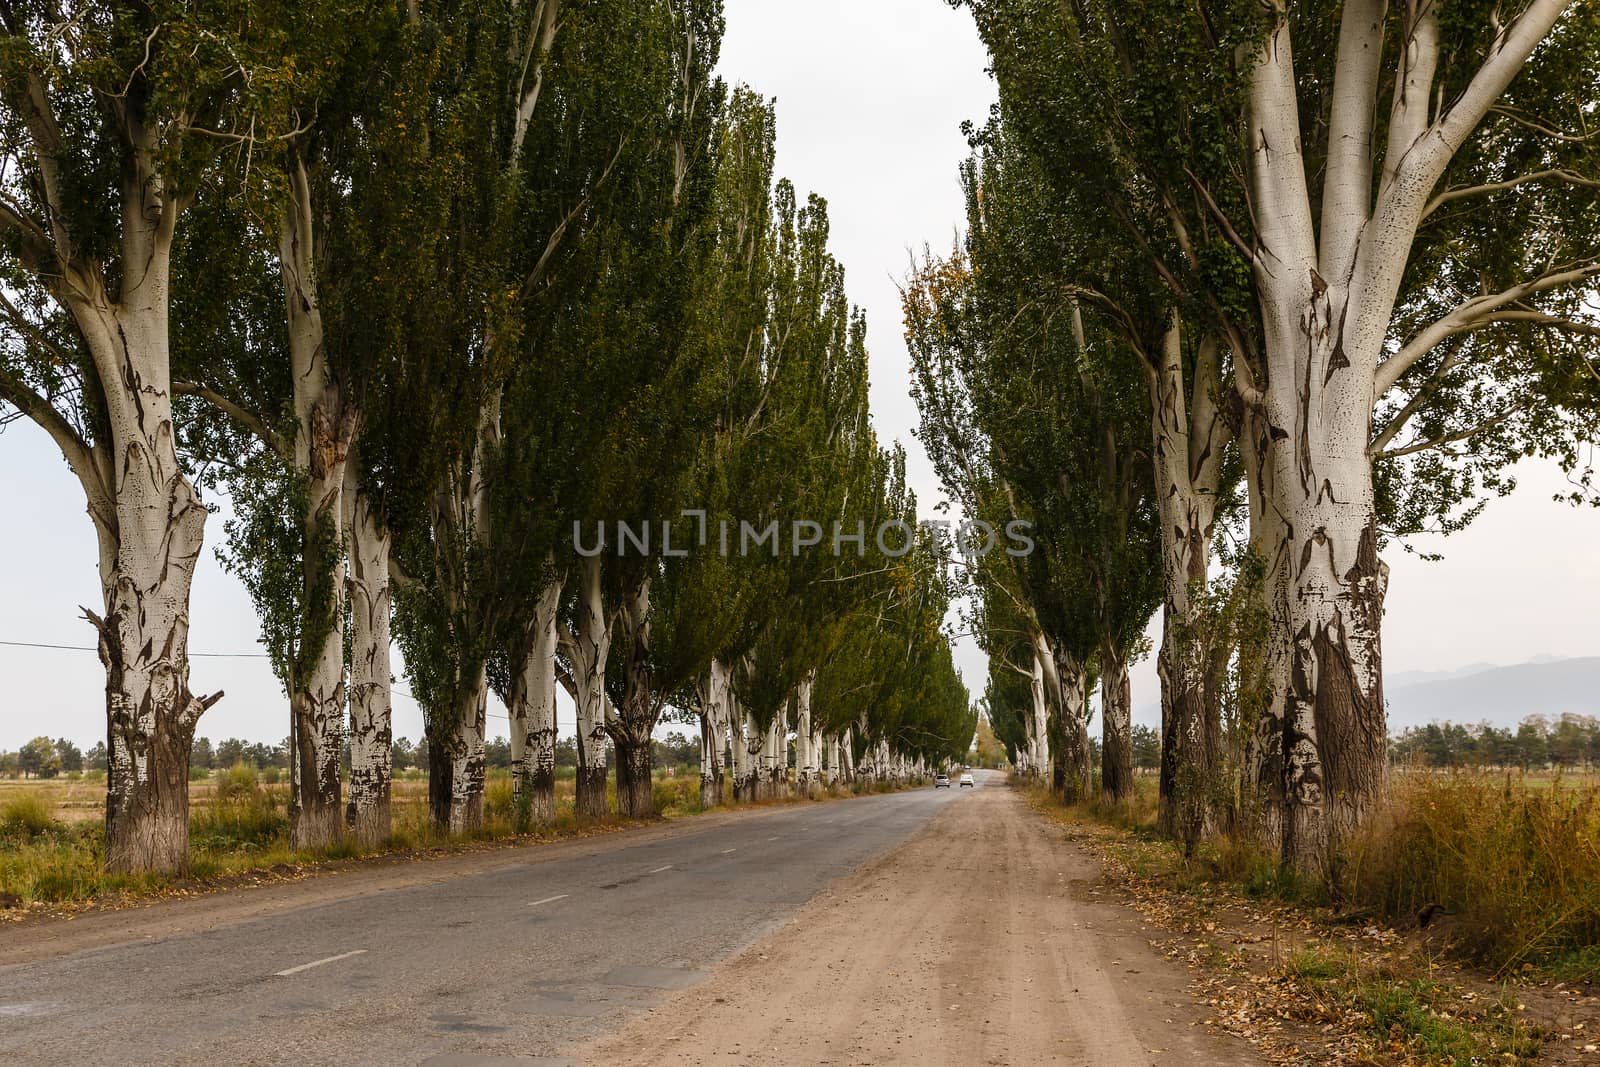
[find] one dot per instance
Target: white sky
(871, 94)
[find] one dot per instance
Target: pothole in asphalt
(654, 977)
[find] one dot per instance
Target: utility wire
(90, 648)
(211, 655)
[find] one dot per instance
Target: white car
(966, 780)
(941, 781)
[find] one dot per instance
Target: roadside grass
(239, 832)
(1506, 869)
(1510, 863)
(1514, 865)
(1405, 1014)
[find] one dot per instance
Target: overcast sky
(871, 95)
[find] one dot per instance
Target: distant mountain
(1503, 696)
(1395, 679)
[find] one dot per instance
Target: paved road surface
(529, 959)
(535, 955)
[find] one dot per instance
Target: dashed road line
(658, 870)
(318, 963)
(549, 900)
(728, 850)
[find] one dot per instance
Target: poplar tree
(1382, 213)
(113, 120)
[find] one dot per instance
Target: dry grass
(1514, 865)
(1508, 863)
(1303, 984)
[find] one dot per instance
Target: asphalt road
(508, 965)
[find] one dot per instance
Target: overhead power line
(91, 648)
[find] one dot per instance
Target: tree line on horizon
(46, 758)
(422, 288)
(1249, 294)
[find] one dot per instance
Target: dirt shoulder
(1309, 985)
(983, 939)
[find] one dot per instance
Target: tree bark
(371, 733)
(1189, 436)
(755, 745)
(1116, 720)
(866, 771)
(1039, 719)
(456, 760)
(714, 722)
(324, 431)
(590, 648)
(532, 710)
(774, 773)
(806, 772)
(150, 525)
(1075, 778)
(636, 719)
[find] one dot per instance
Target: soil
(985, 939)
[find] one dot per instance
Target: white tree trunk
(1327, 298)
(774, 759)
(146, 568)
(714, 723)
(1189, 437)
(632, 727)
(847, 755)
(590, 650)
(1116, 718)
(1071, 774)
(323, 435)
(371, 732)
(755, 743)
(533, 713)
(462, 759)
(150, 525)
(806, 772)
(1038, 720)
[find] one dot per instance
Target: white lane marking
(774, 837)
(728, 850)
(658, 870)
(318, 963)
(549, 900)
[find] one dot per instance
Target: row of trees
(1570, 742)
(425, 288)
(1250, 291)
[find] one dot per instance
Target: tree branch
(1447, 439)
(1474, 314)
(1494, 187)
(1412, 406)
(78, 453)
(239, 414)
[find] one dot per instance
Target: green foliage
(38, 759)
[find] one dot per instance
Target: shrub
(27, 815)
(242, 816)
(237, 782)
(678, 796)
(1516, 864)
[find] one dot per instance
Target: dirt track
(978, 941)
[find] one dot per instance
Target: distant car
(966, 780)
(941, 781)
